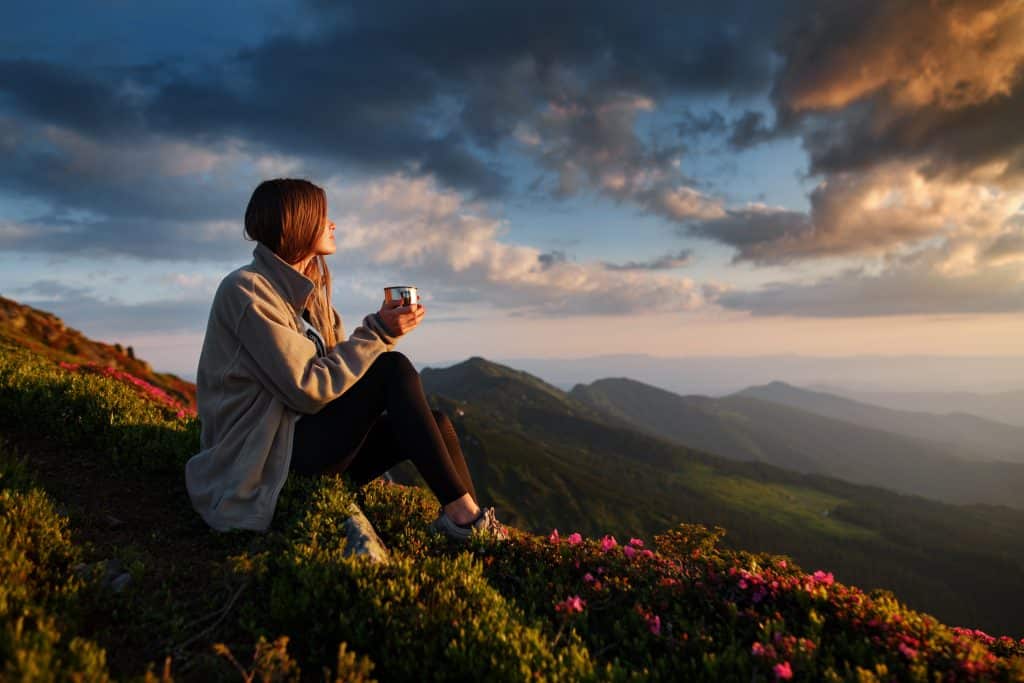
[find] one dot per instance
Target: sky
(561, 180)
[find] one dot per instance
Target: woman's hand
(400, 319)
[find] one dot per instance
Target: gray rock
(362, 539)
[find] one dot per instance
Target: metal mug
(407, 294)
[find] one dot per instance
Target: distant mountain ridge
(751, 429)
(962, 434)
(1004, 406)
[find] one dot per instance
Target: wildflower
(743, 584)
(608, 542)
(783, 672)
(588, 578)
(907, 651)
(575, 539)
(821, 577)
(654, 624)
(629, 551)
(647, 553)
(554, 538)
(571, 604)
(782, 564)
(636, 542)
(757, 649)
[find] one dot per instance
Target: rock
(362, 539)
(121, 582)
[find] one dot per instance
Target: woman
(280, 389)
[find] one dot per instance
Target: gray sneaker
(486, 524)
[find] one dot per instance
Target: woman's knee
(396, 363)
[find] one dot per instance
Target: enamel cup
(407, 294)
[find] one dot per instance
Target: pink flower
(743, 584)
(588, 578)
(608, 542)
(571, 604)
(647, 553)
(783, 672)
(629, 550)
(908, 652)
(654, 623)
(636, 542)
(821, 577)
(554, 538)
(757, 649)
(782, 563)
(575, 539)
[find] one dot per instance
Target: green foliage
(38, 589)
(91, 412)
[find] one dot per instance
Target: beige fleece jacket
(257, 373)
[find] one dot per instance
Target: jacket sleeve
(287, 364)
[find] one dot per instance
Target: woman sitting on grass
(280, 389)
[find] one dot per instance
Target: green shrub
(92, 412)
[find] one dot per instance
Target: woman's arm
(285, 360)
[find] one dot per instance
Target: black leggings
(351, 435)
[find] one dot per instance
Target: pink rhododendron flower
(608, 542)
(571, 604)
(636, 542)
(821, 577)
(575, 539)
(783, 672)
(629, 550)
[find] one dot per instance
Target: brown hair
(287, 215)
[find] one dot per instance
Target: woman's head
(289, 216)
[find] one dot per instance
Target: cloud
(108, 317)
(939, 84)
(863, 213)
(956, 277)
(452, 249)
(665, 262)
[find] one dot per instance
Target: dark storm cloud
(61, 94)
(392, 86)
(867, 83)
(665, 262)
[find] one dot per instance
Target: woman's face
(326, 244)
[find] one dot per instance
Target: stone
(362, 539)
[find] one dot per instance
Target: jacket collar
(293, 285)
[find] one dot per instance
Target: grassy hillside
(45, 334)
(747, 428)
(82, 504)
(544, 467)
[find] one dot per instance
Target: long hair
(288, 215)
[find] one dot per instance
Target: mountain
(46, 334)
(1005, 406)
(751, 429)
(961, 434)
(545, 461)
